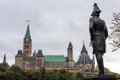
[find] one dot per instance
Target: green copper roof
(27, 35)
(54, 58)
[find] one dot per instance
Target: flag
(27, 20)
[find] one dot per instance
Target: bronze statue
(98, 33)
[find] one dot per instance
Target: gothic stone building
(26, 60)
(84, 62)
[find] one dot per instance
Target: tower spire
(70, 45)
(4, 59)
(27, 35)
(83, 48)
(27, 43)
(70, 54)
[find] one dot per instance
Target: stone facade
(70, 55)
(27, 43)
(84, 62)
(26, 60)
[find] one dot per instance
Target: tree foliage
(115, 32)
(15, 73)
(4, 67)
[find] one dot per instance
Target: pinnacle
(27, 35)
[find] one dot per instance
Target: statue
(98, 33)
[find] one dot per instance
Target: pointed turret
(70, 54)
(84, 48)
(39, 54)
(27, 35)
(84, 57)
(70, 45)
(4, 59)
(84, 62)
(27, 43)
(39, 59)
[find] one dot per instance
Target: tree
(4, 67)
(28, 74)
(115, 32)
(36, 75)
(9, 75)
(81, 75)
(43, 73)
(17, 72)
(2, 76)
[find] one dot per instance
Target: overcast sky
(53, 23)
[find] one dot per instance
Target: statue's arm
(105, 31)
(91, 28)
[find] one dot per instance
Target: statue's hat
(96, 9)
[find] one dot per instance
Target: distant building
(55, 62)
(84, 62)
(26, 60)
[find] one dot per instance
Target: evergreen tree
(115, 32)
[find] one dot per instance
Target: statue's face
(96, 14)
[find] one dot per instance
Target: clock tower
(70, 54)
(27, 43)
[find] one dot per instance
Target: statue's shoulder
(101, 20)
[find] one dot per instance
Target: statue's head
(96, 10)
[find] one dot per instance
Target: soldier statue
(98, 33)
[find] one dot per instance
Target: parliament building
(25, 59)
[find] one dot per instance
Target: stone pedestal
(101, 77)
